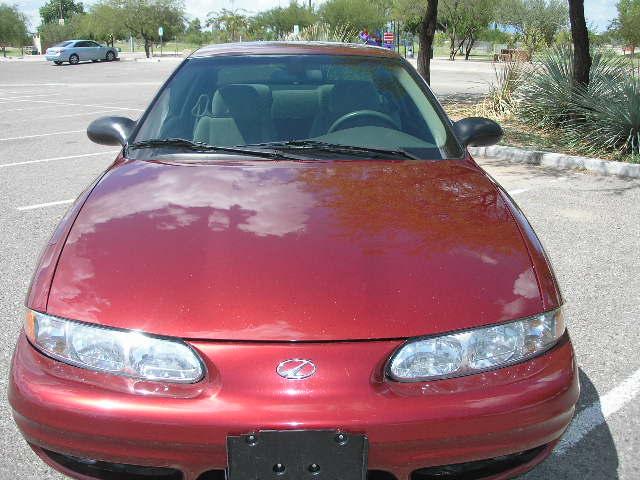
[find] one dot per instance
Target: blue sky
(598, 12)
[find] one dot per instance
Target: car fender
(38, 294)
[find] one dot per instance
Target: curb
(559, 161)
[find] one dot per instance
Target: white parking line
(40, 135)
(55, 117)
(53, 159)
(80, 84)
(67, 104)
(21, 97)
(597, 413)
(28, 108)
(42, 205)
(518, 191)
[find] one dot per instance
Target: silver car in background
(76, 51)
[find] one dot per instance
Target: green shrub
(545, 98)
(609, 119)
(500, 101)
(324, 32)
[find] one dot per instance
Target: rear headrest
(294, 103)
(353, 95)
(241, 100)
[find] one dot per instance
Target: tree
(463, 21)
(142, 18)
(420, 17)
(536, 22)
(279, 22)
(627, 25)
(53, 10)
(580, 38)
(52, 33)
(233, 25)
(100, 23)
(13, 27)
(193, 33)
(358, 14)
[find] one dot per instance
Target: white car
(76, 51)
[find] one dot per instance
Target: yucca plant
(608, 120)
(326, 33)
(546, 98)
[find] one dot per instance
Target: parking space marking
(54, 117)
(53, 159)
(598, 412)
(22, 97)
(518, 191)
(81, 84)
(67, 104)
(22, 109)
(40, 135)
(43, 205)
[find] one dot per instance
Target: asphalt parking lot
(589, 225)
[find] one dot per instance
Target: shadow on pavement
(594, 457)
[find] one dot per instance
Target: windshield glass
(62, 44)
(354, 101)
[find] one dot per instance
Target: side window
(81, 44)
(92, 44)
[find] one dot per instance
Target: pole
(160, 45)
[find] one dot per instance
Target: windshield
(280, 101)
(62, 44)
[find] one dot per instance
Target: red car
(294, 269)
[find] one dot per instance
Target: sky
(598, 12)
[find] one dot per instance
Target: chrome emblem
(296, 369)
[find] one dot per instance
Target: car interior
(241, 103)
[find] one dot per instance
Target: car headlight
(120, 352)
(474, 351)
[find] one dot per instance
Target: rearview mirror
(477, 132)
(110, 130)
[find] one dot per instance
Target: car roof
(292, 48)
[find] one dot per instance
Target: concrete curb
(558, 160)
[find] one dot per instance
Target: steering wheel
(339, 124)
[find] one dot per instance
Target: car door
(95, 51)
(81, 49)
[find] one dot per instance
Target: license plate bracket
(297, 455)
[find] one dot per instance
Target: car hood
(295, 251)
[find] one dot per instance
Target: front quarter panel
(38, 294)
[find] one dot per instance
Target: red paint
(409, 426)
(295, 251)
(309, 256)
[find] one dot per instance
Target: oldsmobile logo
(296, 369)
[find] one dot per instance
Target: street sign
(388, 37)
(160, 32)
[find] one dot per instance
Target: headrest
(354, 95)
(242, 100)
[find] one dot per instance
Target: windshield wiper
(205, 147)
(337, 148)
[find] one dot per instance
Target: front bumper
(409, 426)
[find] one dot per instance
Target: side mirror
(110, 130)
(477, 132)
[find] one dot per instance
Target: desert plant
(324, 32)
(546, 97)
(608, 120)
(500, 101)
